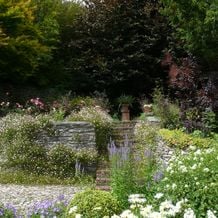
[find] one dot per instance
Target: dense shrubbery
(193, 177)
(182, 140)
(93, 204)
(139, 167)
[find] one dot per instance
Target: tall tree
(21, 41)
(116, 46)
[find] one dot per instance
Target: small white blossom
(194, 167)
(158, 195)
(174, 186)
(189, 213)
(206, 170)
(210, 214)
(155, 215)
(72, 209)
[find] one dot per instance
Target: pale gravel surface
(22, 197)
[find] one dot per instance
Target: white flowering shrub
(17, 142)
(193, 177)
(140, 208)
(100, 119)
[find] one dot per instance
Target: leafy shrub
(100, 119)
(168, 112)
(140, 208)
(179, 139)
(8, 211)
(93, 204)
(193, 177)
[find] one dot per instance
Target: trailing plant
(93, 204)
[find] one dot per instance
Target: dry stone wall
(73, 134)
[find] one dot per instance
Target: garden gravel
(23, 197)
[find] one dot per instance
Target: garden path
(22, 197)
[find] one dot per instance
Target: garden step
(102, 181)
(103, 188)
(102, 173)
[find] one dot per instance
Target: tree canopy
(116, 45)
(196, 25)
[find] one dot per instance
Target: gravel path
(22, 197)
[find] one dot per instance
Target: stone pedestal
(125, 112)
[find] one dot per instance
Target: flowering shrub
(93, 204)
(138, 166)
(140, 209)
(100, 119)
(8, 211)
(193, 177)
(17, 135)
(179, 139)
(48, 208)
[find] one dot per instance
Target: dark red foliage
(195, 91)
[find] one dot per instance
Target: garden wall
(74, 134)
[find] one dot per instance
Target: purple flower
(158, 176)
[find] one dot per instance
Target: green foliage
(146, 135)
(138, 166)
(195, 23)
(62, 160)
(121, 169)
(193, 177)
(125, 99)
(101, 121)
(93, 204)
(21, 49)
(25, 178)
(103, 50)
(180, 139)
(7, 211)
(169, 113)
(17, 142)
